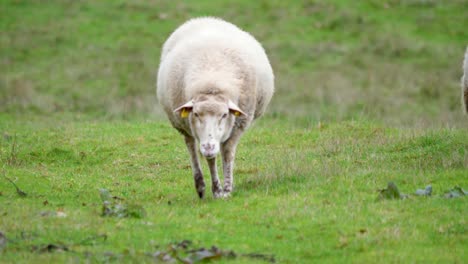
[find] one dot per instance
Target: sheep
(214, 80)
(464, 83)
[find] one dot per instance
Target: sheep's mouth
(210, 155)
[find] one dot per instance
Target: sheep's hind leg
(215, 186)
(197, 172)
(229, 153)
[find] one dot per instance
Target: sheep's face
(211, 123)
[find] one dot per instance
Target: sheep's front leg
(228, 149)
(215, 186)
(197, 172)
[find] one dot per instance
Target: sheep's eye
(224, 116)
(196, 115)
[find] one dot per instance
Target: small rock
(455, 192)
(426, 192)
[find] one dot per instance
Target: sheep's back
(186, 50)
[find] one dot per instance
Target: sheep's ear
(234, 109)
(185, 109)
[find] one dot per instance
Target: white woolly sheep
(464, 82)
(214, 79)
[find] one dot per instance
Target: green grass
(366, 93)
(311, 198)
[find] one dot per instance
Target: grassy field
(367, 92)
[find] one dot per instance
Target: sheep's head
(211, 122)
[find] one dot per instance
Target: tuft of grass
(11, 155)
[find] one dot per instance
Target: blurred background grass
(397, 62)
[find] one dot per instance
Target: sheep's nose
(208, 146)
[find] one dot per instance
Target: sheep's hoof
(218, 194)
(221, 194)
(201, 194)
(200, 187)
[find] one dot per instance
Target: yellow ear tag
(237, 113)
(184, 113)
